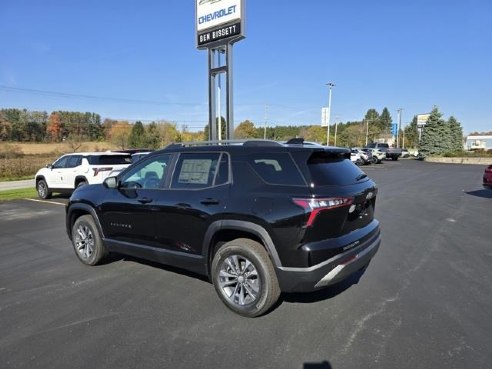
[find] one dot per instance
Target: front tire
(87, 242)
(43, 189)
(244, 278)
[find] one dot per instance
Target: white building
(478, 142)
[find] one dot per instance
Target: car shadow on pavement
(486, 194)
(322, 365)
(325, 293)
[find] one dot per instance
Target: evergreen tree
(412, 134)
(137, 138)
(435, 136)
(152, 137)
(456, 135)
(385, 121)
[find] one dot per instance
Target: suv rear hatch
(342, 198)
(102, 165)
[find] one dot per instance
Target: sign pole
(219, 24)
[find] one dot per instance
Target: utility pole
(330, 86)
(266, 118)
(367, 129)
(337, 118)
(399, 128)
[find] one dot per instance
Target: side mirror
(49, 166)
(111, 182)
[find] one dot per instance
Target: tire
(374, 160)
(394, 158)
(81, 183)
(43, 189)
(87, 242)
(359, 162)
(244, 278)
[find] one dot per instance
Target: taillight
(99, 170)
(315, 206)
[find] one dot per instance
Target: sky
(137, 60)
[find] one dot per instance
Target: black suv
(257, 218)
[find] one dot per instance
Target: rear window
(109, 159)
(330, 170)
(276, 168)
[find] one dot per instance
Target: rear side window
(74, 161)
(199, 170)
(109, 159)
(333, 170)
(276, 168)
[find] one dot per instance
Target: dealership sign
(422, 119)
(219, 22)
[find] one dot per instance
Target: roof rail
(245, 142)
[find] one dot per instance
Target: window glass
(109, 159)
(328, 170)
(276, 168)
(195, 170)
(74, 161)
(222, 176)
(148, 174)
(61, 163)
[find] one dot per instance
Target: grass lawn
(23, 193)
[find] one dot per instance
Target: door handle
(144, 200)
(209, 201)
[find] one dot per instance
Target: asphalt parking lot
(424, 302)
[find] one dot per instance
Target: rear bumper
(330, 271)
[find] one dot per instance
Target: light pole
(399, 128)
(330, 86)
(337, 118)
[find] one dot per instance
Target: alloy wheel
(84, 242)
(239, 280)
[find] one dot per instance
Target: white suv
(73, 170)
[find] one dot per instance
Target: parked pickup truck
(391, 153)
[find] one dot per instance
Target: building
(479, 142)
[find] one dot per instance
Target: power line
(92, 97)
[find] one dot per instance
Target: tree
(54, 127)
(316, 133)
(223, 129)
(435, 136)
(152, 138)
(456, 134)
(245, 129)
(167, 133)
(137, 138)
(5, 127)
(385, 121)
(120, 133)
(411, 134)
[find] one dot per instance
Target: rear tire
(244, 278)
(374, 160)
(87, 242)
(43, 189)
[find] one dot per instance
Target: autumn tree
(54, 127)
(245, 129)
(120, 133)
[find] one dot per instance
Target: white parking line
(46, 202)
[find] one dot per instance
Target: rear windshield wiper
(361, 176)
